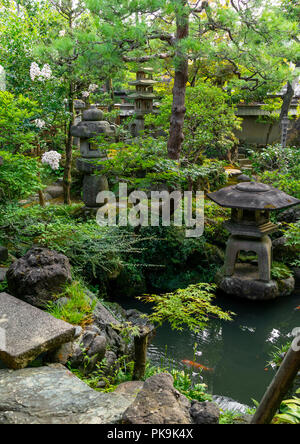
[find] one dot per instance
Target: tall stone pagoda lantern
(143, 97)
(91, 126)
(250, 226)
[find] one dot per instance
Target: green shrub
(288, 182)
(19, 177)
(16, 113)
(274, 157)
(144, 165)
(209, 122)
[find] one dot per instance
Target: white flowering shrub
(39, 123)
(85, 94)
(62, 33)
(51, 158)
(93, 87)
(40, 74)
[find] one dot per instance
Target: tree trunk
(287, 99)
(140, 353)
(69, 148)
(181, 77)
(278, 388)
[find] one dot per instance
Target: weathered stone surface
(55, 191)
(92, 186)
(53, 395)
(130, 388)
(245, 283)
(205, 413)
(38, 276)
(289, 216)
(27, 332)
(158, 403)
(3, 272)
(3, 254)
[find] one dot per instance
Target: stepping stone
(26, 332)
(53, 395)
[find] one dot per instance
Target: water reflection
(238, 351)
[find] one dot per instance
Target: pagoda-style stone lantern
(250, 226)
(143, 97)
(90, 127)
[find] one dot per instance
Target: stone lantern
(91, 126)
(143, 97)
(250, 226)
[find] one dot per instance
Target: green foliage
(287, 182)
(289, 411)
(209, 122)
(19, 177)
(79, 308)
(92, 250)
(190, 307)
(274, 157)
(215, 217)
(16, 114)
(144, 165)
(280, 271)
(229, 417)
(292, 236)
(277, 354)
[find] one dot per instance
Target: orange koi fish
(195, 364)
(297, 308)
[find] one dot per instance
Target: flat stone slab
(26, 332)
(53, 395)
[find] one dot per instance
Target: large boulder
(205, 413)
(39, 276)
(158, 403)
(53, 395)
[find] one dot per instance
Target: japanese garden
(149, 213)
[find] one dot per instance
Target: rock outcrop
(158, 402)
(38, 276)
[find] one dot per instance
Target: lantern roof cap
(253, 196)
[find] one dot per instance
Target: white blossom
(85, 93)
(34, 71)
(39, 123)
(93, 87)
(52, 159)
(41, 74)
(46, 72)
(62, 33)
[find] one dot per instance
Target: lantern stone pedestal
(245, 283)
(249, 226)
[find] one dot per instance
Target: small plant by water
(78, 308)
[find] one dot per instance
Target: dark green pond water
(238, 351)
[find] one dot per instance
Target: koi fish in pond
(297, 308)
(196, 365)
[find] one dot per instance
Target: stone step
(27, 331)
(241, 156)
(53, 395)
(243, 162)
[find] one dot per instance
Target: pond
(237, 351)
